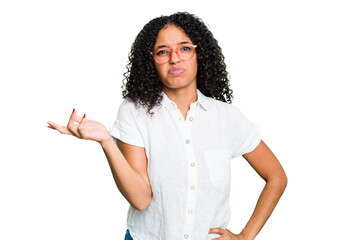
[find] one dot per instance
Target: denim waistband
(127, 235)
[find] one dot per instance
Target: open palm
(82, 128)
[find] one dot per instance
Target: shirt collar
(201, 100)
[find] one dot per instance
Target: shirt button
(190, 211)
(187, 141)
(197, 104)
(180, 118)
(192, 187)
(192, 164)
(191, 118)
(186, 236)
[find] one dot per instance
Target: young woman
(175, 135)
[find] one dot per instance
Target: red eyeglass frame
(177, 49)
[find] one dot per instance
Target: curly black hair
(142, 85)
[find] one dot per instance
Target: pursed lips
(176, 71)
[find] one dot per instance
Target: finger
(78, 118)
(81, 126)
(60, 129)
(50, 125)
(217, 230)
(71, 126)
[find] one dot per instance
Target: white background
(294, 68)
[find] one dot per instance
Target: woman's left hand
(226, 234)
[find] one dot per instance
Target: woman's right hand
(85, 129)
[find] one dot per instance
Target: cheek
(159, 69)
(193, 66)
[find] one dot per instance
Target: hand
(226, 234)
(85, 129)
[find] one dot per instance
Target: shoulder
(129, 104)
(130, 107)
(222, 107)
(226, 113)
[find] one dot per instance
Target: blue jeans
(128, 236)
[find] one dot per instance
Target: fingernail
(84, 115)
(73, 110)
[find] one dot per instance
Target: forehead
(171, 35)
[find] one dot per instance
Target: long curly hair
(142, 84)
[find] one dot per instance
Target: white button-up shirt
(188, 165)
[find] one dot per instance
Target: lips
(176, 71)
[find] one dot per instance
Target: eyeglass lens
(185, 52)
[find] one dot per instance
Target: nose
(174, 58)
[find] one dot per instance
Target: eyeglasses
(163, 54)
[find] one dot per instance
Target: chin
(174, 86)
(177, 82)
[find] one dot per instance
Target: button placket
(192, 173)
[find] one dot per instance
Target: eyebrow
(183, 42)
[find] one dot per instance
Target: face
(177, 73)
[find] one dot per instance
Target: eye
(161, 52)
(185, 49)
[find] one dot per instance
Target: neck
(182, 97)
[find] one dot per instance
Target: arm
(129, 168)
(268, 167)
(128, 163)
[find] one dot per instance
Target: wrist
(106, 141)
(243, 236)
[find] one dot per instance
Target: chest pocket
(218, 164)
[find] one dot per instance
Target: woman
(175, 134)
